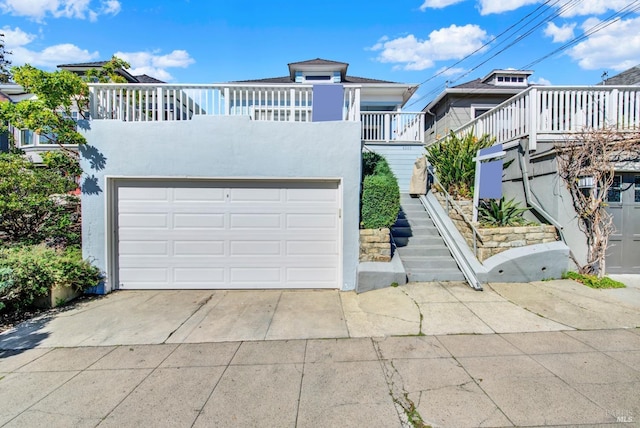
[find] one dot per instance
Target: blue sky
(201, 41)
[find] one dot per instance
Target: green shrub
(29, 272)
(380, 201)
(29, 211)
(593, 281)
(501, 213)
(453, 162)
(369, 162)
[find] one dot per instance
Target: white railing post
(93, 111)
(356, 105)
(292, 105)
(227, 104)
(533, 118)
(387, 127)
(612, 109)
(160, 108)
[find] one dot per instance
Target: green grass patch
(593, 281)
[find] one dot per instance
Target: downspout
(527, 193)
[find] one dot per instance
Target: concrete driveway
(198, 316)
(513, 355)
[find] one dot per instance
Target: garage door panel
(257, 235)
(199, 195)
(255, 195)
(255, 248)
(153, 248)
(255, 221)
(311, 221)
(202, 275)
(140, 221)
(198, 248)
(255, 274)
(198, 221)
(316, 274)
(143, 194)
(311, 248)
(147, 274)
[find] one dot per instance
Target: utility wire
(615, 17)
(527, 20)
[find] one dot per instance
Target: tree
(591, 157)
(5, 72)
(108, 73)
(29, 211)
(57, 94)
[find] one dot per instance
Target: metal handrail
(450, 200)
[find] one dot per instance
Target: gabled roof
(144, 78)
(288, 79)
(84, 66)
(316, 64)
(479, 84)
(627, 77)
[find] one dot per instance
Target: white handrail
(558, 110)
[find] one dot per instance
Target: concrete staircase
(423, 252)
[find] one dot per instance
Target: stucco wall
(220, 147)
(549, 191)
(401, 159)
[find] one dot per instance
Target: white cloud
(16, 37)
(488, 7)
(615, 47)
(595, 7)
(38, 10)
(152, 64)
(17, 42)
(446, 72)
(438, 4)
(452, 42)
(541, 81)
(559, 34)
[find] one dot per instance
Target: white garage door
(233, 234)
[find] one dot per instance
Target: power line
(615, 17)
(527, 20)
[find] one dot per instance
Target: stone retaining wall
(375, 245)
(494, 240)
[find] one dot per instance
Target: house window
(500, 78)
(615, 191)
(317, 78)
(27, 137)
(637, 189)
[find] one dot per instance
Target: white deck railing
(385, 127)
(166, 102)
(554, 112)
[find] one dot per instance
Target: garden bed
(494, 240)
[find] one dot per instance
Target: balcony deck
(290, 103)
(554, 113)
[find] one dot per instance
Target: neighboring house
(385, 128)
(32, 143)
(532, 123)
(82, 68)
(252, 184)
(459, 104)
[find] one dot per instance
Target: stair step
(421, 263)
(423, 251)
(414, 231)
(435, 275)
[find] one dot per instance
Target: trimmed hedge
(380, 195)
